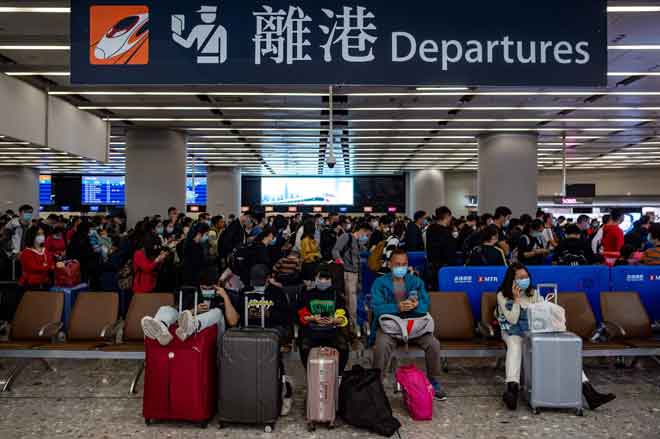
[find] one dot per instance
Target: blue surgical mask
(27, 216)
(159, 230)
(506, 224)
(523, 284)
(363, 239)
(273, 242)
(205, 238)
(323, 285)
(39, 240)
(399, 272)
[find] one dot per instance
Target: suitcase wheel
(203, 424)
(579, 412)
(311, 427)
(269, 428)
(536, 411)
(148, 422)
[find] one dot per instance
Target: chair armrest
(110, 330)
(486, 329)
(614, 329)
(56, 325)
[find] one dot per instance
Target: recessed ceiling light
(35, 47)
(635, 47)
(37, 73)
(633, 9)
(52, 10)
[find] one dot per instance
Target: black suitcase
(250, 375)
(11, 294)
(250, 378)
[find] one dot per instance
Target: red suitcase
(180, 379)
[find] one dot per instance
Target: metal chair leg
(498, 363)
(6, 384)
(136, 379)
(445, 365)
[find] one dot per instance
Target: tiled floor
(89, 399)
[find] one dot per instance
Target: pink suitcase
(322, 387)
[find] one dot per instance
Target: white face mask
(454, 235)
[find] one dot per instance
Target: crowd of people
(242, 266)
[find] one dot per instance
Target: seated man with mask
(403, 294)
(322, 316)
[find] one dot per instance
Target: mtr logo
(487, 279)
(119, 35)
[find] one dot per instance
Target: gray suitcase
(552, 371)
(250, 377)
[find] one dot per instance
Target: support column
(508, 172)
(223, 191)
(155, 172)
(425, 190)
(19, 185)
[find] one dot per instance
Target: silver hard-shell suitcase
(552, 371)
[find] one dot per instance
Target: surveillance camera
(331, 161)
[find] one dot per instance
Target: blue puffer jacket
(383, 302)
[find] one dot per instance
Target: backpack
(417, 392)
(477, 254)
(125, 276)
(375, 260)
(364, 404)
(328, 240)
(242, 260)
(572, 259)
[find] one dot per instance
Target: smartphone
(413, 295)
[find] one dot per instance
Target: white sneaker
(156, 330)
(187, 325)
(287, 404)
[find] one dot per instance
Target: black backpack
(363, 403)
(572, 258)
(241, 260)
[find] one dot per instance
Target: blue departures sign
(371, 42)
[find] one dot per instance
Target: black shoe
(510, 396)
(595, 399)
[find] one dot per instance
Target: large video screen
(198, 195)
(105, 191)
(45, 190)
(317, 191)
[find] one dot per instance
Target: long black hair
(506, 288)
(31, 235)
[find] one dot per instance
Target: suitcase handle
(553, 295)
(194, 308)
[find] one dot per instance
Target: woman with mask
(309, 251)
(56, 243)
(322, 316)
(80, 249)
(194, 254)
(146, 262)
(37, 264)
(515, 295)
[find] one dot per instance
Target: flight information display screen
(196, 196)
(99, 190)
(45, 190)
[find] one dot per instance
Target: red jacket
(36, 268)
(612, 238)
(55, 246)
(144, 273)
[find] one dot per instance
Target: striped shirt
(651, 256)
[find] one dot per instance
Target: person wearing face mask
(402, 293)
(194, 256)
(18, 226)
(37, 264)
(309, 251)
(441, 244)
(347, 251)
(56, 243)
(322, 316)
(529, 249)
(502, 220)
(514, 297)
(80, 249)
(550, 240)
(146, 263)
(235, 235)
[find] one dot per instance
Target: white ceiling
(379, 130)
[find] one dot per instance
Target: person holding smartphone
(402, 293)
(515, 295)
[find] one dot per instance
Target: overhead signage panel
(371, 42)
